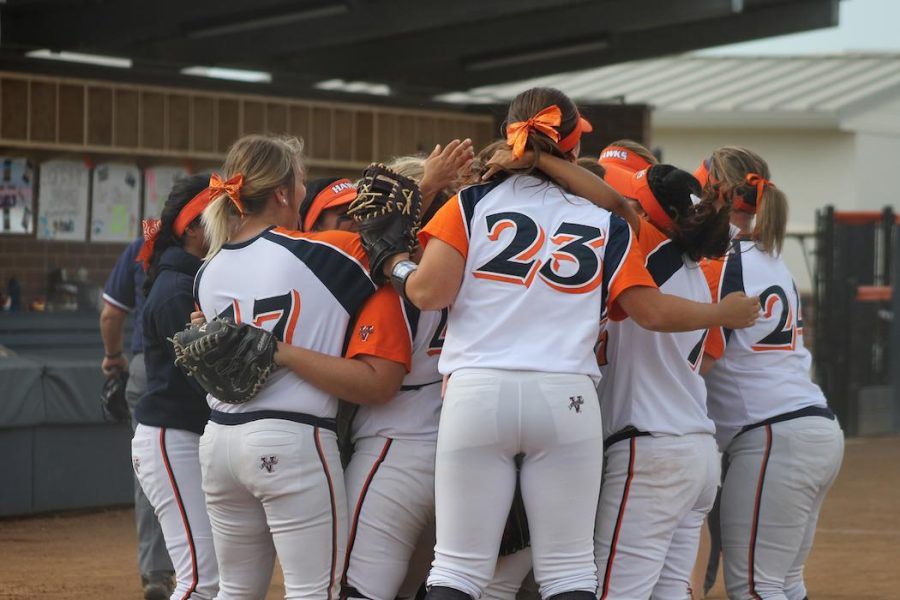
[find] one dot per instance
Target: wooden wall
(54, 117)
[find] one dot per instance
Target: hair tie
(232, 187)
(760, 183)
(543, 122)
(151, 229)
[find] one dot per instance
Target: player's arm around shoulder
(377, 359)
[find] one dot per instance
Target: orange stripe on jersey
(712, 270)
(650, 238)
(344, 241)
(380, 329)
(448, 225)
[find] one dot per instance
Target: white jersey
(305, 288)
(542, 267)
(651, 380)
(414, 413)
(762, 371)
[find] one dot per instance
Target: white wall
(814, 168)
(877, 165)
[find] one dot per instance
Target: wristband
(114, 354)
(400, 273)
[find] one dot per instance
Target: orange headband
(544, 122)
(617, 156)
(232, 187)
(702, 172)
(760, 183)
(568, 143)
(185, 217)
(636, 186)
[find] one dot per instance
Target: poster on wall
(16, 187)
(158, 182)
(63, 200)
(115, 202)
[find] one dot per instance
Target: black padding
(439, 592)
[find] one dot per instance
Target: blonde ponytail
(220, 218)
(739, 174)
(265, 163)
(771, 221)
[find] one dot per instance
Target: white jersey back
(541, 268)
(302, 287)
(414, 413)
(762, 371)
(651, 380)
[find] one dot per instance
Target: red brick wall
(31, 260)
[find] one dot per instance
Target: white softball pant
(776, 480)
(488, 417)
(167, 465)
(656, 494)
(511, 571)
(390, 487)
(275, 485)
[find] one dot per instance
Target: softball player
(271, 470)
(528, 267)
(172, 412)
(783, 446)
(390, 477)
(662, 465)
(648, 550)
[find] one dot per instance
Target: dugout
(357, 80)
(856, 330)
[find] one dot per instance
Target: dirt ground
(856, 554)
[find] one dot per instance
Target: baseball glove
(113, 397)
(387, 210)
(230, 361)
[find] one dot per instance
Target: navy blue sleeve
(120, 289)
(165, 320)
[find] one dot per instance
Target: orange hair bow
(760, 183)
(232, 187)
(544, 122)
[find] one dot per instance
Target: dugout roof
(416, 49)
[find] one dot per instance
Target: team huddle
(558, 377)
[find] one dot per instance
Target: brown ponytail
(729, 168)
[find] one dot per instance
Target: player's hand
(113, 365)
(445, 166)
(197, 318)
(503, 160)
(737, 311)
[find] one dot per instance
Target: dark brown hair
(701, 230)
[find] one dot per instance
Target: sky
(865, 26)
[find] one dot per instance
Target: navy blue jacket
(123, 290)
(172, 398)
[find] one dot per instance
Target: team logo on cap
(340, 187)
(365, 331)
(268, 463)
(615, 153)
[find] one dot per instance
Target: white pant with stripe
(488, 417)
(275, 485)
(390, 487)
(777, 478)
(167, 466)
(656, 494)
